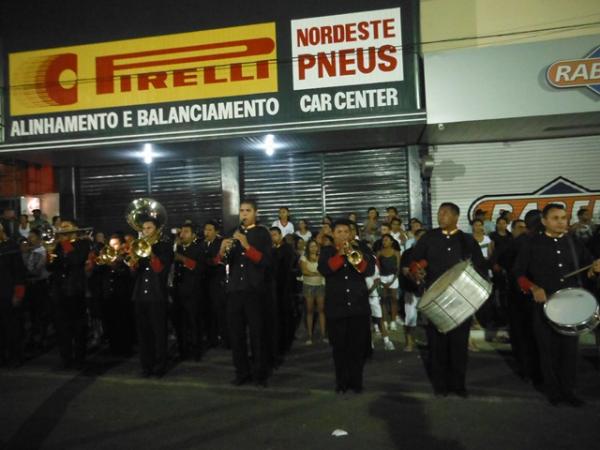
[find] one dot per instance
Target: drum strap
(575, 258)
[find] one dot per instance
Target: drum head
(442, 283)
(570, 306)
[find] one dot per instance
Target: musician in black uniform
(12, 290)
(187, 293)
(347, 307)
(436, 252)
(150, 300)
(67, 265)
(247, 259)
(117, 285)
(283, 263)
(213, 279)
(520, 304)
(541, 268)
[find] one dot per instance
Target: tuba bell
(138, 212)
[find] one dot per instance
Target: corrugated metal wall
(336, 183)
(104, 193)
(189, 189)
(465, 172)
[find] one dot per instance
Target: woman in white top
(303, 230)
(487, 248)
(284, 223)
(24, 226)
(313, 288)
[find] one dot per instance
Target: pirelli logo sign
(179, 67)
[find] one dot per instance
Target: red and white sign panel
(347, 49)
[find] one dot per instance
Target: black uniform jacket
(346, 292)
(247, 268)
(442, 251)
(151, 274)
(544, 261)
(12, 272)
(187, 280)
(68, 267)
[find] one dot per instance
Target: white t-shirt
(24, 231)
(317, 280)
(306, 236)
(285, 230)
(485, 246)
(371, 281)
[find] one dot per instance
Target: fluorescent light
(148, 154)
(270, 144)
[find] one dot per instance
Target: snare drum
(572, 311)
(454, 297)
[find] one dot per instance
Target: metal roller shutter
(355, 181)
(291, 180)
(465, 172)
(336, 183)
(189, 189)
(104, 193)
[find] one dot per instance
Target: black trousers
(245, 311)
(11, 332)
(350, 339)
(558, 356)
(188, 324)
(271, 326)
(71, 327)
(119, 324)
(285, 313)
(151, 320)
(449, 355)
(522, 339)
(217, 316)
(40, 310)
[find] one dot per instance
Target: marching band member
(187, 293)
(347, 308)
(248, 260)
(67, 266)
(12, 290)
(150, 300)
(116, 298)
(436, 252)
(541, 266)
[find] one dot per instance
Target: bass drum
(454, 297)
(572, 311)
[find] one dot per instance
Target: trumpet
(108, 255)
(354, 255)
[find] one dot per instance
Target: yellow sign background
(27, 70)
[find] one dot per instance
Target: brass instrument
(49, 236)
(108, 255)
(138, 212)
(354, 255)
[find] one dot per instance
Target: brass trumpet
(354, 255)
(108, 255)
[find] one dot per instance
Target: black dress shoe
(238, 381)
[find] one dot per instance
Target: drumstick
(575, 272)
